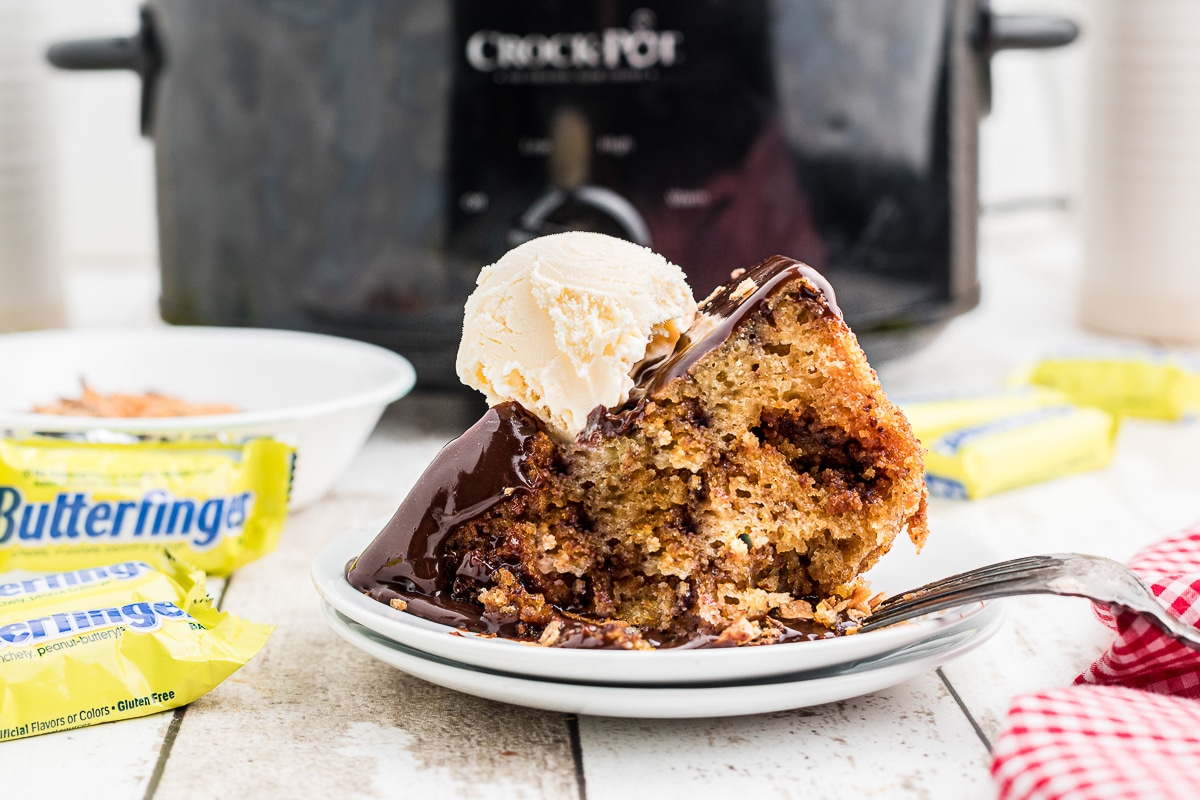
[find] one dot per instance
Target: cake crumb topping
(744, 290)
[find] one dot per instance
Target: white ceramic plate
(900, 570)
(672, 702)
(322, 393)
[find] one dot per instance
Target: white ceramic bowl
(321, 393)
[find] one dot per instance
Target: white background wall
(104, 172)
(1031, 142)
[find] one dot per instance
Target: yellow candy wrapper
(67, 504)
(1152, 385)
(1014, 451)
(105, 643)
(932, 416)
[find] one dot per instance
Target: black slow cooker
(347, 166)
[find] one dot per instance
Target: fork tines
(1018, 567)
(995, 580)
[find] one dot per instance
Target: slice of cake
(734, 495)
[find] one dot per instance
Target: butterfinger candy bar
(68, 504)
(1015, 451)
(1150, 384)
(110, 642)
(932, 416)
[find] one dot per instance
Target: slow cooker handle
(123, 52)
(138, 53)
(1018, 32)
(996, 32)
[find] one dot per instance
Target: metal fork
(1101, 580)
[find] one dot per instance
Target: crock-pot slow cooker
(347, 166)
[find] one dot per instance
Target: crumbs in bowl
(150, 404)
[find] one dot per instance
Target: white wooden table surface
(312, 717)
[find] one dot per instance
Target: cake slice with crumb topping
(736, 498)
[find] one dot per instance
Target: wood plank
(1155, 472)
(313, 717)
(1045, 642)
(118, 756)
(908, 741)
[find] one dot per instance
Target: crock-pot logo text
(640, 46)
(74, 517)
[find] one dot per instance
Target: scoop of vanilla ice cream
(560, 322)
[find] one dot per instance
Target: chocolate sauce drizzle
(469, 476)
(486, 465)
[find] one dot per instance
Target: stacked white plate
(668, 683)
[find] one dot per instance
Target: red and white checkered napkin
(1130, 727)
